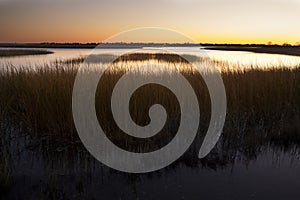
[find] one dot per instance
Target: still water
(37, 173)
(235, 59)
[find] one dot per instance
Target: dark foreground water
(37, 171)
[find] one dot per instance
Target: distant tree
(286, 44)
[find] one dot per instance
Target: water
(38, 174)
(39, 171)
(236, 59)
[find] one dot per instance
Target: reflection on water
(63, 173)
(235, 59)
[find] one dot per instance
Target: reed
(259, 101)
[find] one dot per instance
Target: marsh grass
(133, 57)
(22, 52)
(263, 105)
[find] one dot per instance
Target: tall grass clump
(40, 99)
(263, 104)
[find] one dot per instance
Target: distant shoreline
(94, 45)
(256, 48)
(284, 50)
(22, 52)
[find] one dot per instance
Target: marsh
(256, 157)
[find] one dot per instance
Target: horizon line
(145, 43)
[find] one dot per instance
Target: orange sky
(205, 21)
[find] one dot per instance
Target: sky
(205, 21)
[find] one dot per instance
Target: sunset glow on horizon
(205, 21)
